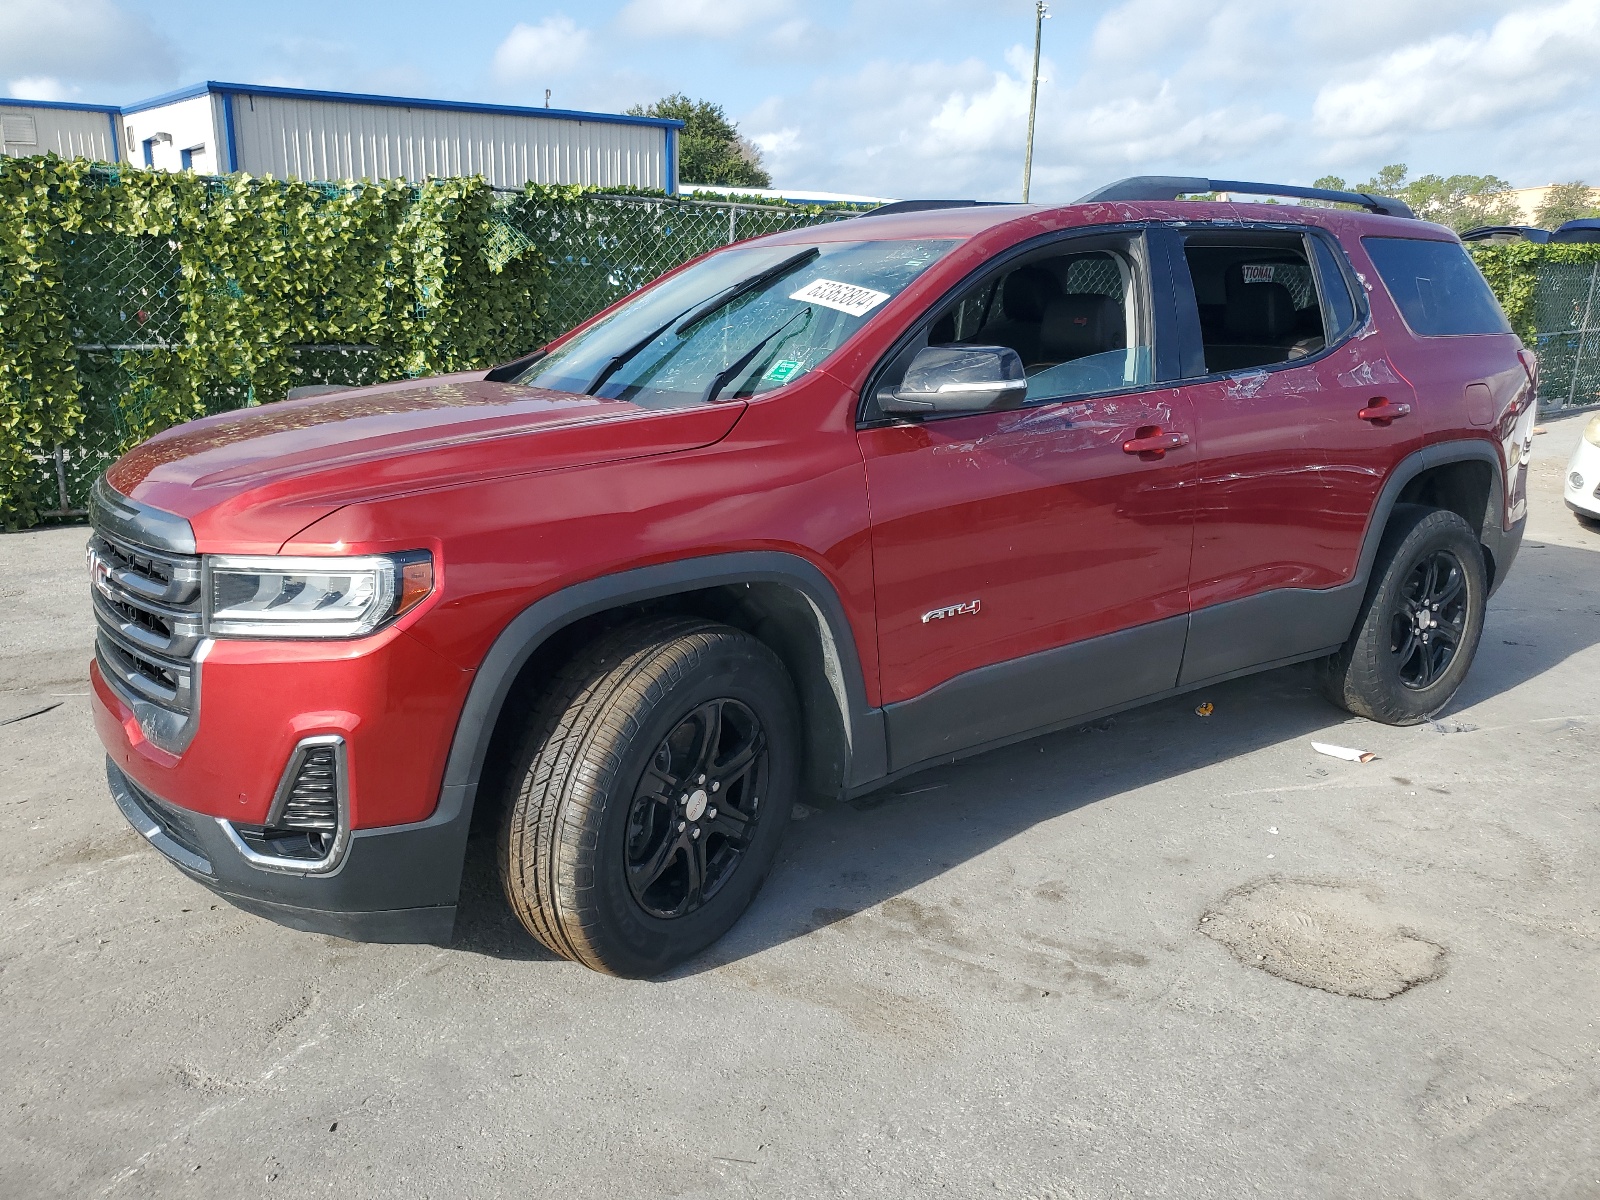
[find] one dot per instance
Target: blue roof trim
(183, 93)
(170, 98)
(11, 101)
(509, 110)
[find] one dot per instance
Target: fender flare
(1492, 533)
(534, 625)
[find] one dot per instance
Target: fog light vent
(313, 800)
(308, 825)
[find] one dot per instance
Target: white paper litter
(1344, 752)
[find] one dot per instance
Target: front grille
(148, 627)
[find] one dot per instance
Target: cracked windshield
(738, 324)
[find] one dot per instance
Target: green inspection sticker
(784, 370)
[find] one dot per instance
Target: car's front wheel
(649, 795)
(1419, 626)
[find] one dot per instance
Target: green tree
(1567, 202)
(710, 149)
(1459, 201)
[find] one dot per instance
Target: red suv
(807, 514)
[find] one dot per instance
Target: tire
(613, 780)
(1397, 667)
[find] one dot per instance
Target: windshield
(740, 323)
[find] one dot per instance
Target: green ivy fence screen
(484, 277)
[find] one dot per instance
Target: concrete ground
(1031, 975)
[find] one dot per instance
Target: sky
(905, 98)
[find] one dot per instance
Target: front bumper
(397, 883)
(1580, 488)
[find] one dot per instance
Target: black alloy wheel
(648, 793)
(1430, 620)
(696, 808)
(1419, 624)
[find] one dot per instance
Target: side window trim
(1352, 286)
(1162, 311)
(1188, 306)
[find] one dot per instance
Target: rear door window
(1259, 300)
(1436, 287)
(1338, 306)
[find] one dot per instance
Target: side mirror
(955, 379)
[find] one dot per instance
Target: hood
(252, 478)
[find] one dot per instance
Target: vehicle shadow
(841, 860)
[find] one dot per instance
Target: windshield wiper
(731, 372)
(728, 295)
(698, 313)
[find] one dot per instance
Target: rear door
(1300, 419)
(1028, 568)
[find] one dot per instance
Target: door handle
(1150, 444)
(1380, 412)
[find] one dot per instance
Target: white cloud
(699, 18)
(42, 87)
(777, 146)
(530, 53)
(1528, 59)
(972, 122)
(1265, 89)
(79, 39)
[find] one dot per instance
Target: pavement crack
(38, 712)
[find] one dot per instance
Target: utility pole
(1040, 12)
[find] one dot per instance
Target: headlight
(268, 596)
(1591, 431)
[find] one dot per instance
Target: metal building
(292, 133)
(70, 130)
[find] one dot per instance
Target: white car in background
(1582, 491)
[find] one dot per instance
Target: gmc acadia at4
(806, 514)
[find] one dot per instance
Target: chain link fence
(1567, 312)
(126, 308)
(608, 246)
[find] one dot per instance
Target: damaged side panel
(1038, 515)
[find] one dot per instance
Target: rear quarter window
(1436, 286)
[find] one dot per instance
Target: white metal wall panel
(71, 133)
(318, 139)
(190, 125)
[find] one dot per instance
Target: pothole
(1323, 935)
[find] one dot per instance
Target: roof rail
(905, 206)
(1170, 187)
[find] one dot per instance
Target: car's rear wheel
(649, 795)
(1419, 626)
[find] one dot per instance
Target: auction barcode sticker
(846, 297)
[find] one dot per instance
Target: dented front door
(998, 536)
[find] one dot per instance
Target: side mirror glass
(952, 379)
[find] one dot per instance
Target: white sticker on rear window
(846, 297)
(1258, 272)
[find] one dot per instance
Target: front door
(1031, 566)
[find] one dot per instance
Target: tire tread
(570, 759)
